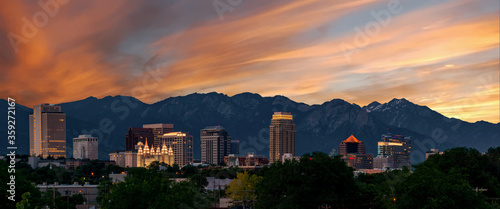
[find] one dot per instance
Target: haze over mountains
(247, 118)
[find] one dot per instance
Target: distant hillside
(247, 118)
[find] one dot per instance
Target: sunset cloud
(442, 54)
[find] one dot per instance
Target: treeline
(459, 178)
(443, 181)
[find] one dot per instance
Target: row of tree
(459, 178)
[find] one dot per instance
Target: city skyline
(446, 59)
(250, 104)
(306, 121)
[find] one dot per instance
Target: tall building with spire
(215, 144)
(146, 156)
(47, 131)
(282, 136)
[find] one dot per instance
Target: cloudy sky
(443, 54)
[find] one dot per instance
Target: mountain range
(247, 117)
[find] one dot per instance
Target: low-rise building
(383, 162)
(432, 152)
(289, 156)
(249, 160)
(217, 184)
(36, 162)
(73, 164)
(359, 161)
(88, 191)
(118, 157)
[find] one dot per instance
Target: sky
(440, 53)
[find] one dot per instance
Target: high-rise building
(235, 147)
(396, 146)
(182, 145)
(351, 146)
(282, 137)
(215, 144)
(158, 130)
(47, 131)
(354, 154)
(136, 135)
(85, 147)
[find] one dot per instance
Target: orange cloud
(444, 54)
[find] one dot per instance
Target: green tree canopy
(430, 188)
(243, 187)
(315, 180)
(150, 188)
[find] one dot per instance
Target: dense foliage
(150, 188)
(459, 178)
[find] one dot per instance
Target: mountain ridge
(247, 117)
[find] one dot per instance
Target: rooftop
(352, 139)
(175, 134)
(282, 116)
(214, 128)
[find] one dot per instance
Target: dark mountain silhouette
(421, 119)
(247, 118)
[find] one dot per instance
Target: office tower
(281, 136)
(158, 130)
(47, 131)
(354, 154)
(85, 147)
(182, 146)
(215, 144)
(136, 135)
(351, 146)
(235, 147)
(396, 146)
